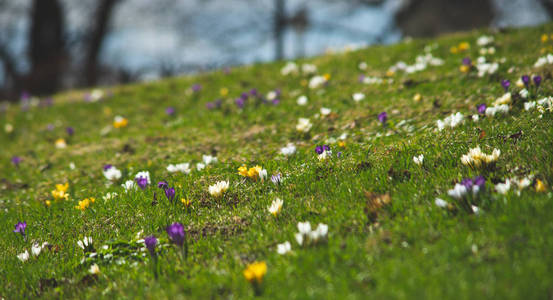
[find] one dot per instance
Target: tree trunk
(96, 38)
(279, 27)
(47, 50)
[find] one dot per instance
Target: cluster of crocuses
(254, 173)
(84, 204)
(60, 193)
(185, 167)
(323, 152)
(167, 190)
(36, 248)
(476, 158)
(176, 234)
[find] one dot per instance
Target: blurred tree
(432, 17)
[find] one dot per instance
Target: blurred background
(51, 45)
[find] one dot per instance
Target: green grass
(411, 249)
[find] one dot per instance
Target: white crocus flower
(284, 248)
(317, 81)
(35, 249)
(112, 173)
(200, 166)
(302, 100)
(262, 174)
(304, 228)
(23, 256)
(288, 150)
(358, 97)
(304, 125)
(289, 68)
(418, 159)
(208, 159)
(183, 168)
(308, 69)
(503, 188)
(276, 207)
(299, 238)
(219, 188)
(523, 93)
(440, 203)
(325, 111)
(529, 105)
(129, 185)
(94, 269)
(458, 191)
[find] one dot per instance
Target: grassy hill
(397, 228)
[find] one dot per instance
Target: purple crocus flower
(70, 130)
(107, 167)
(20, 228)
(176, 233)
(319, 149)
(326, 148)
(253, 92)
(142, 182)
(526, 80)
(361, 78)
(339, 154)
(196, 88)
(383, 117)
(151, 242)
(210, 105)
(276, 179)
(170, 193)
(162, 184)
(537, 80)
(479, 181)
(467, 182)
(275, 101)
(170, 111)
(481, 108)
(16, 160)
(244, 96)
(505, 83)
(467, 61)
(239, 102)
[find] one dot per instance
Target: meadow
(416, 170)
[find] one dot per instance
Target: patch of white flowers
(544, 60)
(306, 235)
(183, 168)
(450, 121)
(485, 68)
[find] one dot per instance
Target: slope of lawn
(387, 236)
